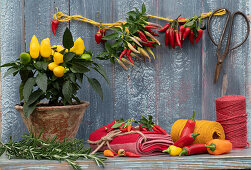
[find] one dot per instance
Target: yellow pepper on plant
(34, 47)
(45, 48)
(55, 80)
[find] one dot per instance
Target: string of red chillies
(176, 32)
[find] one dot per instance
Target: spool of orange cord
(208, 130)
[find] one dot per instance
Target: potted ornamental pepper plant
(53, 74)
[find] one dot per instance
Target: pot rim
(81, 105)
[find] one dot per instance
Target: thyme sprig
(32, 147)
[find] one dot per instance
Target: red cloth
(154, 145)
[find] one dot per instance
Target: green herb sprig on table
(32, 147)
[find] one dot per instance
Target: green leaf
(41, 65)
(21, 88)
(25, 74)
(112, 60)
(8, 64)
(190, 23)
(72, 77)
(78, 68)
(41, 81)
(67, 39)
(102, 54)
(116, 125)
(111, 36)
(67, 91)
(143, 9)
(101, 71)
(10, 71)
(69, 56)
(132, 13)
(28, 109)
(80, 77)
(117, 43)
(35, 96)
(108, 47)
(77, 99)
(116, 29)
(137, 11)
(96, 86)
(56, 85)
(28, 87)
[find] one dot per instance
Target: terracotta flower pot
(62, 121)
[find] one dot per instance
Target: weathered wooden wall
(171, 87)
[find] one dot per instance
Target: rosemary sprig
(32, 147)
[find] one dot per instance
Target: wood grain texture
(11, 47)
(236, 159)
(169, 88)
(179, 70)
(234, 65)
(98, 113)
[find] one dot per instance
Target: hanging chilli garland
(135, 36)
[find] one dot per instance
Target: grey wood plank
(135, 93)
(99, 112)
(38, 17)
(11, 46)
(169, 88)
(179, 70)
(235, 64)
(238, 158)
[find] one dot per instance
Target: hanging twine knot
(105, 140)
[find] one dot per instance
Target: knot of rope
(109, 137)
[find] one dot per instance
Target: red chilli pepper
(142, 128)
(54, 25)
(142, 36)
(193, 149)
(152, 32)
(128, 55)
(177, 38)
(147, 44)
(163, 131)
(123, 130)
(172, 38)
(150, 27)
(186, 140)
(181, 18)
(181, 31)
(131, 154)
(191, 37)
(186, 32)
(167, 37)
(151, 42)
(162, 29)
(122, 54)
(200, 32)
(98, 37)
(189, 127)
(155, 129)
